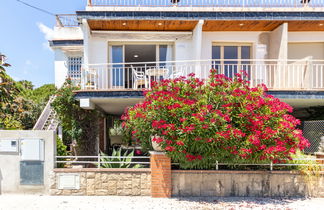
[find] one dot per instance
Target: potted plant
(320, 153)
(156, 140)
(116, 133)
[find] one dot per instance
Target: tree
(78, 124)
(20, 104)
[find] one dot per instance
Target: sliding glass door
(127, 58)
(117, 73)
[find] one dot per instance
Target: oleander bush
(199, 122)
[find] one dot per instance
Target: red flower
(169, 148)
(180, 143)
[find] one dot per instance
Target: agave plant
(119, 158)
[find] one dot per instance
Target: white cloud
(48, 32)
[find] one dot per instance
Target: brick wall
(102, 182)
(160, 175)
(161, 182)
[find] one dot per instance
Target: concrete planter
(155, 145)
(116, 140)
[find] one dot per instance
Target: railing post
(99, 164)
(216, 165)
(271, 166)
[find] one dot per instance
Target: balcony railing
(296, 75)
(208, 3)
(67, 20)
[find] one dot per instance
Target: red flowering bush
(200, 122)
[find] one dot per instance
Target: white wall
(10, 162)
(303, 50)
(304, 44)
(61, 63)
(308, 36)
(67, 33)
(60, 66)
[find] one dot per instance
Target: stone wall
(102, 182)
(245, 184)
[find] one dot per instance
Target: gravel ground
(31, 202)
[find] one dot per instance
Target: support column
(278, 49)
(161, 183)
(197, 45)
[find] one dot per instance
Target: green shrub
(199, 122)
(120, 162)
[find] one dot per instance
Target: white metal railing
(303, 74)
(47, 120)
(208, 3)
(67, 20)
(99, 160)
(318, 161)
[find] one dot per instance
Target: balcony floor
(116, 101)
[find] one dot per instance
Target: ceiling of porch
(261, 25)
(142, 25)
(115, 106)
(209, 25)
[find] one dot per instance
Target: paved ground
(31, 202)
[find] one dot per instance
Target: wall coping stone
(237, 172)
(121, 170)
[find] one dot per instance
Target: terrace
(277, 75)
(215, 4)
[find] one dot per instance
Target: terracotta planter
(155, 145)
(320, 155)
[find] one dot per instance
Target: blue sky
(22, 41)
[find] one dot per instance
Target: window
(230, 58)
(74, 67)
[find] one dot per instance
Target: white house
(114, 48)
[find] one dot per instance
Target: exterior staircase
(47, 120)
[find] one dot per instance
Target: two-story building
(114, 48)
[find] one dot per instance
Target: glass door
(229, 59)
(117, 71)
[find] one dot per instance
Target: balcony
(209, 3)
(67, 20)
(277, 75)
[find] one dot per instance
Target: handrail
(206, 60)
(45, 114)
(98, 161)
(208, 3)
(67, 20)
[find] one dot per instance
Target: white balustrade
(208, 3)
(275, 74)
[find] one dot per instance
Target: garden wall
(245, 184)
(101, 182)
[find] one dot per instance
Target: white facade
(119, 54)
(195, 45)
